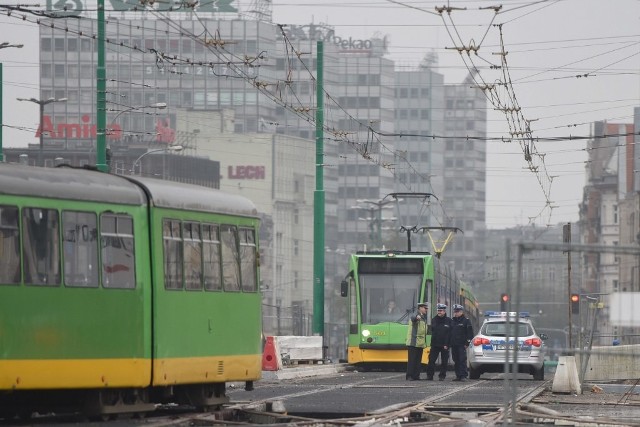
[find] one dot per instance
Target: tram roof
(176, 195)
(67, 183)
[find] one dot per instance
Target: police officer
(461, 336)
(416, 341)
(440, 338)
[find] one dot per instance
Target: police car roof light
(523, 314)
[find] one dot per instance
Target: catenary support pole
(1, 122)
(101, 95)
(318, 203)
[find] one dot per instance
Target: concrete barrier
(566, 379)
(296, 349)
(620, 362)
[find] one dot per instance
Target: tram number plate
(504, 347)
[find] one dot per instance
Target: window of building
(86, 46)
(72, 71)
(45, 45)
(58, 44)
(86, 72)
(174, 45)
(72, 45)
(45, 71)
(59, 71)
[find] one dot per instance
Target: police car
(488, 349)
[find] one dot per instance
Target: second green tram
(384, 289)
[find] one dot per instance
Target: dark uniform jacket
(440, 331)
(462, 331)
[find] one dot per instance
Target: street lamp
(42, 103)
(2, 46)
(175, 148)
(158, 105)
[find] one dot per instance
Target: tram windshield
(388, 297)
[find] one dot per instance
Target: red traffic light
(575, 297)
(504, 297)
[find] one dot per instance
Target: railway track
(383, 398)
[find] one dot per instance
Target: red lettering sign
(86, 130)
(246, 172)
(83, 130)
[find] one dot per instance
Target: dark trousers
(459, 354)
(444, 360)
(413, 362)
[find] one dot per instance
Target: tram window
(9, 246)
(211, 257)
(80, 249)
(118, 255)
(230, 258)
(172, 254)
(248, 259)
(192, 255)
(41, 246)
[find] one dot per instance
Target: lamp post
(42, 103)
(158, 105)
(175, 148)
(2, 46)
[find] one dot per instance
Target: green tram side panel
(199, 323)
(42, 322)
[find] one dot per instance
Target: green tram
(376, 281)
(119, 293)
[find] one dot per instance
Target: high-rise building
(465, 176)
(219, 60)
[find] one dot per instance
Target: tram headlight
(366, 333)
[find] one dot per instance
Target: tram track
(315, 402)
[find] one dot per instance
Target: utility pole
(2, 46)
(566, 238)
(101, 95)
(41, 103)
(318, 203)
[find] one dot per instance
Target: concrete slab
(305, 371)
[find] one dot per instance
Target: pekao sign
(328, 35)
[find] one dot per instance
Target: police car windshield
(499, 329)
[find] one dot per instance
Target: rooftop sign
(78, 7)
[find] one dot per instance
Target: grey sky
(549, 43)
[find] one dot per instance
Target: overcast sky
(549, 44)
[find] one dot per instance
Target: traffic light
(575, 303)
(504, 302)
